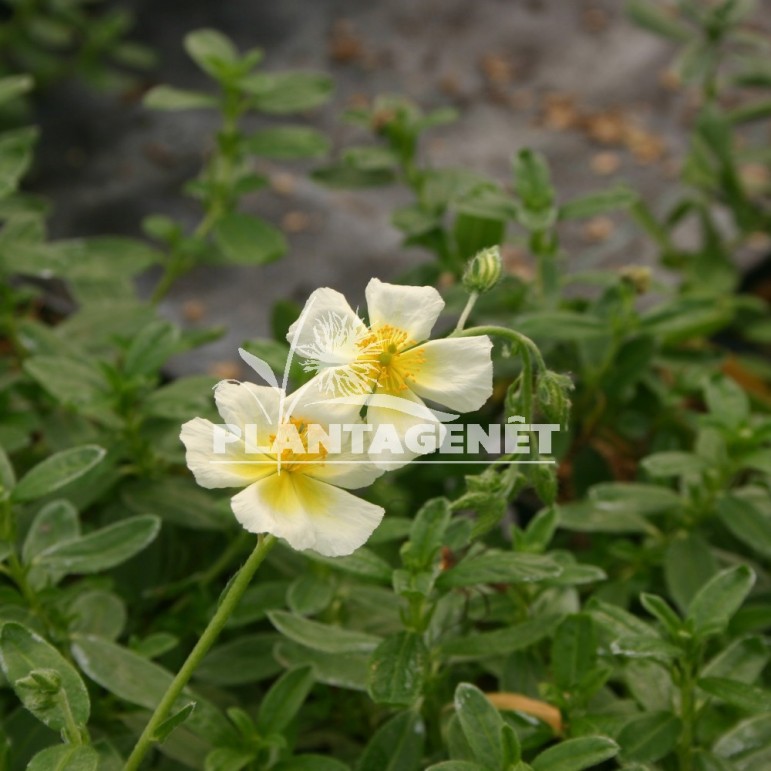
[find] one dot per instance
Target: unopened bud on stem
(483, 271)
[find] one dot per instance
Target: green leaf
(458, 765)
(743, 660)
(7, 476)
(750, 525)
(284, 700)
(102, 549)
(426, 534)
(563, 326)
(15, 157)
(688, 565)
(170, 98)
(650, 737)
(55, 522)
(257, 601)
(634, 497)
(597, 203)
(341, 670)
(586, 517)
(645, 647)
(617, 622)
(57, 471)
(748, 744)
(482, 725)
(22, 652)
(228, 759)
(716, 602)
(65, 757)
(212, 51)
(287, 142)
(673, 464)
(309, 594)
(750, 698)
(182, 398)
(574, 650)
(134, 679)
(660, 21)
(397, 670)
(540, 530)
(173, 721)
(499, 567)
(473, 233)
(660, 608)
(69, 381)
(727, 401)
(363, 563)
(286, 92)
(247, 240)
(531, 180)
(576, 754)
(396, 746)
(98, 612)
(312, 763)
(13, 86)
(501, 642)
(246, 659)
(178, 501)
(322, 637)
(150, 349)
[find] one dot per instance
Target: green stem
(472, 298)
(226, 607)
(73, 731)
(222, 166)
(521, 340)
(687, 714)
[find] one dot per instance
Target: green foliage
(605, 606)
(51, 40)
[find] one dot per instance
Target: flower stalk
(226, 607)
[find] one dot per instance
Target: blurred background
(576, 81)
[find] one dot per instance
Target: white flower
(292, 492)
(391, 357)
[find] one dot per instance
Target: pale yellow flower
(391, 356)
(292, 491)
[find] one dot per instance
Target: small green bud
(638, 277)
(544, 480)
(553, 393)
(483, 271)
(45, 680)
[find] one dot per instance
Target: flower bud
(45, 680)
(544, 480)
(638, 277)
(483, 271)
(553, 393)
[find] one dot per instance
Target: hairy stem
(228, 603)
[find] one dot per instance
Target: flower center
(389, 358)
(291, 438)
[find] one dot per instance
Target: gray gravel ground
(109, 163)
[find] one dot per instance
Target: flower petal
(326, 311)
(308, 514)
(313, 403)
(404, 416)
(413, 309)
(346, 469)
(246, 403)
(456, 372)
(232, 468)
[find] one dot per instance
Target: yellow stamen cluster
(294, 461)
(389, 357)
